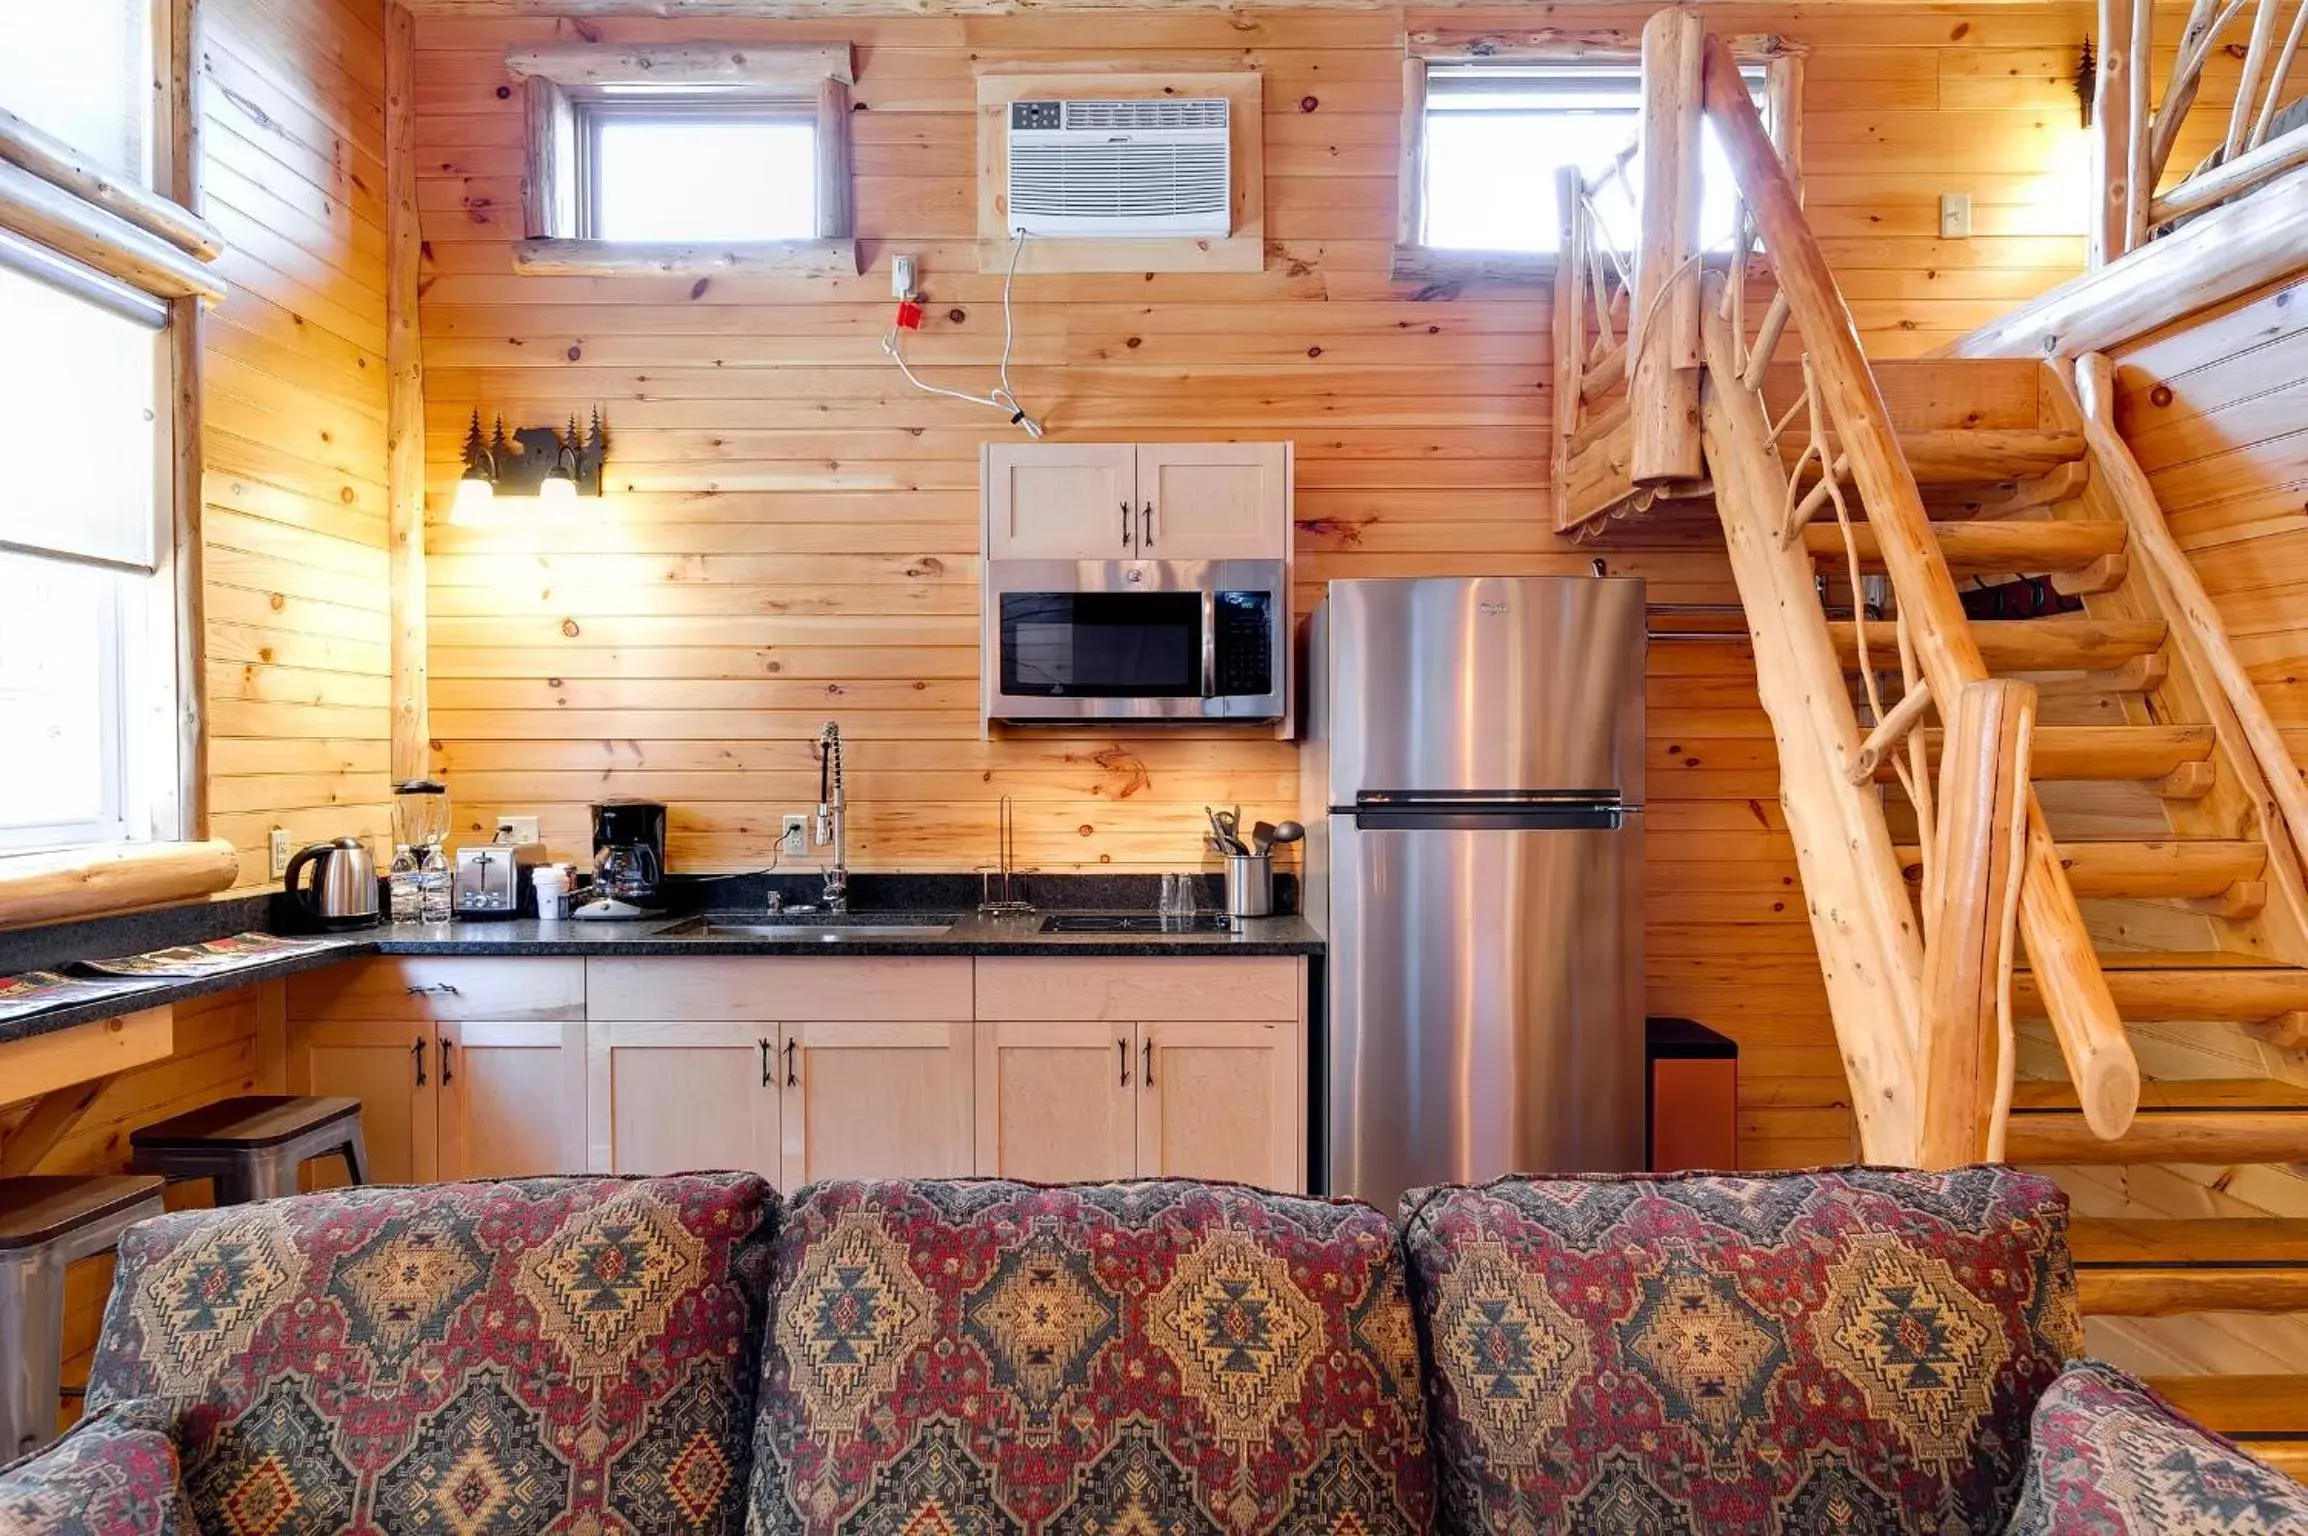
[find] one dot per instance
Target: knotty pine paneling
(294, 422)
(794, 533)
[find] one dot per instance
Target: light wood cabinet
(389, 1066)
(1222, 1101)
(878, 1101)
(677, 1095)
(1137, 501)
(1057, 1100)
(510, 1097)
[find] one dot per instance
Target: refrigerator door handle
(1435, 818)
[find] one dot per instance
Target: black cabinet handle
(417, 1051)
(442, 988)
(768, 1077)
(1122, 1049)
(448, 1064)
(1125, 525)
(790, 1079)
(1146, 1075)
(1146, 526)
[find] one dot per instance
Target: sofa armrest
(114, 1474)
(2108, 1457)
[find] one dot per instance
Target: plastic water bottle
(433, 884)
(406, 900)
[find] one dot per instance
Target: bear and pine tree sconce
(554, 467)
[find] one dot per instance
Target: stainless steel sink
(812, 928)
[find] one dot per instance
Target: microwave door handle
(1209, 643)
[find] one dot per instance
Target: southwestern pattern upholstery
(2110, 1458)
(577, 1353)
(115, 1474)
(1173, 1359)
(1837, 1351)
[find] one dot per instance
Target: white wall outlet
(517, 829)
(902, 277)
(1955, 215)
(793, 836)
(278, 849)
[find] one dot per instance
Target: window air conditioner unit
(1159, 166)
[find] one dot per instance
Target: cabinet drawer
(1150, 989)
(894, 988)
(394, 987)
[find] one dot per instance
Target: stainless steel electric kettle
(342, 892)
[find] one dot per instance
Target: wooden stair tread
(2166, 986)
(2227, 1130)
(2151, 1242)
(2190, 960)
(2172, 1094)
(2242, 1406)
(2102, 752)
(1970, 455)
(2027, 645)
(2186, 869)
(1975, 546)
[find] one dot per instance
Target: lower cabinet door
(678, 1097)
(1222, 1101)
(1057, 1102)
(512, 1097)
(876, 1101)
(393, 1070)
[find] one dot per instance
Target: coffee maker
(628, 860)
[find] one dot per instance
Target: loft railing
(2137, 135)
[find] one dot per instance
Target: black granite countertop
(969, 935)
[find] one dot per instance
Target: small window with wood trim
(689, 157)
(1485, 125)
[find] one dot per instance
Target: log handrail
(2084, 1017)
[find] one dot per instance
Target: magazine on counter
(38, 991)
(213, 958)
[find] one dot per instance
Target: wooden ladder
(2100, 783)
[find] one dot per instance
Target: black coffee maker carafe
(628, 859)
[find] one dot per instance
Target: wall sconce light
(2086, 81)
(555, 467)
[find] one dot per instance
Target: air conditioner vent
(1158, 166)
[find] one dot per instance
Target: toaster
(492, 880)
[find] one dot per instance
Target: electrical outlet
(793, 836)
(1955, 216)
(282, 845)
(902, 276)
(516, 829)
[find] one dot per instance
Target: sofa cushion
(2110, 1458)
(1173, 1358)
(461, 1357)
(113, 1474)
(1837, 1350)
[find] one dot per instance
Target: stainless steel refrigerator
(1473, 790)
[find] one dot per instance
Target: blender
(419, 883)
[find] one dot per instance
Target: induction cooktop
(1137, 922)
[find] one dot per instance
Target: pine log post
(404, 403)
(2112, 130)
(1663, 321)
(1570, 332)
(1965, 1051)
(2084, 1017)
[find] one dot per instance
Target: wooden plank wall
(794, 533)
(294, 405)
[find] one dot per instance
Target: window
(668, 159)
(88, 650)
(1491, 131)
(664, 171)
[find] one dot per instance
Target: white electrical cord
(1002, 398)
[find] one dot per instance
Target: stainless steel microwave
(1136, 640)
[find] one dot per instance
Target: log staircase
(2019, 840)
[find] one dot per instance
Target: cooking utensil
(1262, 838)
(1288, 832)
(1223, 824)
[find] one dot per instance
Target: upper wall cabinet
(1143, 501)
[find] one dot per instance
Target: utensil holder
(1249, 885)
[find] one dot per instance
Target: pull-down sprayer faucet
(830, 819)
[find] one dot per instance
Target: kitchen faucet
(830, 817)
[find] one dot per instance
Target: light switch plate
(793, 836)
(1955, 216)
(278, 849)
(516, 829)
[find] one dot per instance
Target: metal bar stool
(251, 1145)
(47, 1222)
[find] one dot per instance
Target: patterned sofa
(1841, 1351)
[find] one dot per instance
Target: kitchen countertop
(971, 936)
